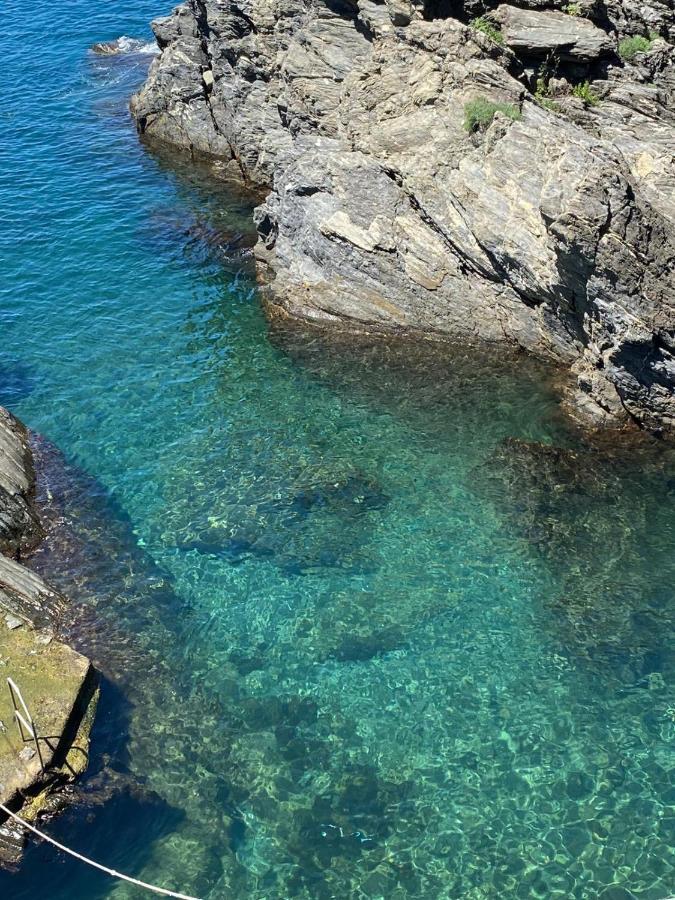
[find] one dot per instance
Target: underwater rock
(578, 509)
(348, 496)
(123, 44)
(357, 648)
(349, 821)
(234, 550)
(313, 522)
(17, 380)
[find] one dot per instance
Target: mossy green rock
(52, 679)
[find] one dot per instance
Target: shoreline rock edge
(546, 224)
(58, 683)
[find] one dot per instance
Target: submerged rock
(306, 526)
(548, 225)
(123, 44)
(589, 512)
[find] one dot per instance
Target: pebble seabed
(373, 621)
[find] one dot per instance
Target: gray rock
(275, 70)
(25, 597)
(62, 681)
(535, 33)
(638, 17)
(547, 228)
(20, 529)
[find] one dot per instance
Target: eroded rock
(548, 226)
(20, 529)
(534, 33)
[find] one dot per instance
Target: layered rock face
(20, 529)
(508, 178)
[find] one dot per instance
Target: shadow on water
(91, 553)
(94, 822)
(211, 225)
(17, 381)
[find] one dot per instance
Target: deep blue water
(373, 621)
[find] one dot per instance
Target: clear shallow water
(363, 634)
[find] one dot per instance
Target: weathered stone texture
(20, 529)
(551, 227)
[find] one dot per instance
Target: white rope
(90, 862)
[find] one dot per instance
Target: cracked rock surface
(20, 529)
(548, 223)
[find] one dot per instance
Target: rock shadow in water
(17, 381)
(593, 514)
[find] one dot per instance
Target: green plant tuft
(541, 95)
(480, 112)
(573, 9)
(489, 28)
(629, 47)
(541, 90)
(586, 93)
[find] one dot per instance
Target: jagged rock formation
(20, 529)
(544, 218)
(535, 33)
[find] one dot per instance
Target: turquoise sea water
(373, 621)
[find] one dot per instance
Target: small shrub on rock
(629, 47)
(541, 90)
(489, 28)
(586, 93)
(541, 95)
(573, 9)
(480, 112)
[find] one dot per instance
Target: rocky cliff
(461, 169)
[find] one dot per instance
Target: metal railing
(24, 720)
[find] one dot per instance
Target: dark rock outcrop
(546, 222)
(20, 529)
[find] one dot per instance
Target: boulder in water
(121, 45)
